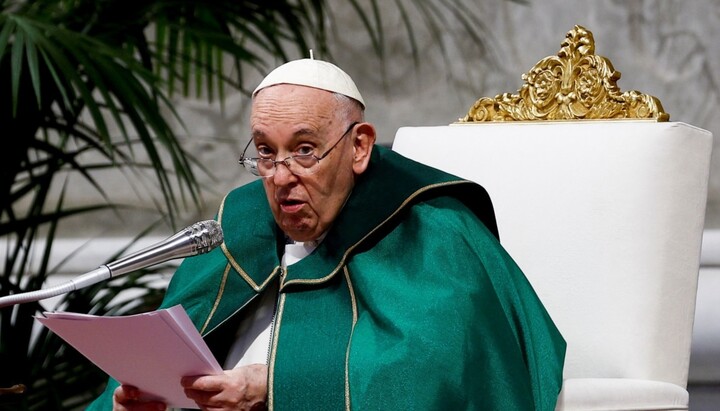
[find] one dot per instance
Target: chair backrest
(604, 217)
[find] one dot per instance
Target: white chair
(606, 220)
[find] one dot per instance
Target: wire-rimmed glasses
(298, 164)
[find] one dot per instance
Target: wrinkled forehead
(285, 103)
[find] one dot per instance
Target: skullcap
(312, 73)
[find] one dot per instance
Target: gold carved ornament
(574, 85)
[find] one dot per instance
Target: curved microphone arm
(198, 238)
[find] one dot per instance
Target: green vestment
(409, 303)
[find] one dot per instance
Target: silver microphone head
(205, 236)
(198, 238)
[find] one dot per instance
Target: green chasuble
(409, 303)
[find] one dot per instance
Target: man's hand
(125, 398)
(240, 389)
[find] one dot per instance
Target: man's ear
(363, 141)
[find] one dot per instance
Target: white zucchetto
(313, 73)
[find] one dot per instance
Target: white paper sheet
(151, 351)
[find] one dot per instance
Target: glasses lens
(304, 164)
(265, 167)
(250, 165)
(300, 165)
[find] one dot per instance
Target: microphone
(198, 238)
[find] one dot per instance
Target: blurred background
(123, 123)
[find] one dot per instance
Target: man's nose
(283, 175)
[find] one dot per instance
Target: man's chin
(298, 231)
(301, 237)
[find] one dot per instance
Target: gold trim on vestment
(576, 84)
(221, 290)
(273, 351)
(245, 276)
(236, 265)
(352, 331)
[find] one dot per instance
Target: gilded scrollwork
(575, 84)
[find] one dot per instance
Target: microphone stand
(196, 239)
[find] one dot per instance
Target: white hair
(350, 108)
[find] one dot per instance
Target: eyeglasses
(298, 164)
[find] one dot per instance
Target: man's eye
(264, 152)
(304, 151)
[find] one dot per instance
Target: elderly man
(354, 278)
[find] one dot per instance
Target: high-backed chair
(601, 202)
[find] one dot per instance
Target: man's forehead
(292, 103)
(289, 91)
(270, 121)
(296, 130)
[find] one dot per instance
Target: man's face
(288, 120)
